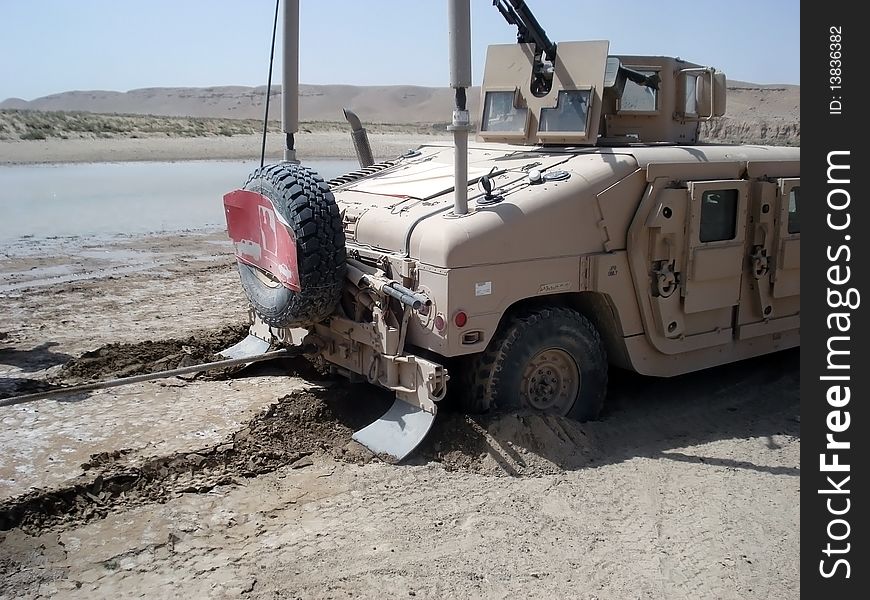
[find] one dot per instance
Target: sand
(756, 114)
(325, 144)
(249, 484)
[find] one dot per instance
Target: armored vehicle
(584, 226)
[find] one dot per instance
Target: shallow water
(103, 199)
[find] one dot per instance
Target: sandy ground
(318, 144)
(249, 485)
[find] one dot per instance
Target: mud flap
(398, 431)
(248, 347)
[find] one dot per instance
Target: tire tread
(482, 375)
(304, 200)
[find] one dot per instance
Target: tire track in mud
(287, 433)
(320, 421)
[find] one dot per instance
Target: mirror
(711, 92)
(700, 89)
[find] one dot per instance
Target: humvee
(585, 226)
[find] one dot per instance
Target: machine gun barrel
(516, 12)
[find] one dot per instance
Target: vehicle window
(500, 114)
(639, 98)
(718, 215)
(691, 100)
(794, 223)
(572, 108)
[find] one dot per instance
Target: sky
(54, 46)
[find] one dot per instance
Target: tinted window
(500, 114)
(639, 98)
(718, 215)
(569, 114)
(691, 103)
(794, 213)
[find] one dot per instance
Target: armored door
(688, 260)
(771, 291)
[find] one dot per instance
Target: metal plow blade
(398, 431)
(249, 347)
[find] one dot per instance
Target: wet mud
(319, 422)
(19, 386)
(113, 361)
(284, 435)
(290, 433)
(663, 497)
(125, 360)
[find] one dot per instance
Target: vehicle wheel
(303, 199)
(550, 361)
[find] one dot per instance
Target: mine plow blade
(249, 347)
(398, 431)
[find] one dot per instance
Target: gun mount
(529, 31)
(537, 92)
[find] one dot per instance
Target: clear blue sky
(51, 46)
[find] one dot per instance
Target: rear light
(460, 319)
(440, 323)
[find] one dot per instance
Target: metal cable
(269, 86)
(102, 385)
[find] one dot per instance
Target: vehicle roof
(646, 154)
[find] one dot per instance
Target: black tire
(304, 200)
(501, 377)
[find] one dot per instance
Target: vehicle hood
(384, 209)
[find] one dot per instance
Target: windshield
(572, 108)
(500, 114)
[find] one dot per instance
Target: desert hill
(379, 104)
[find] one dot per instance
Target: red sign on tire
(261, 238)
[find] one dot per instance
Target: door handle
(665, 280)
(760, 262)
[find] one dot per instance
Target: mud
(321, 422)
(318, 422)
(506, 444)
(295, 427)
(686, 488)
(124, 360)
(119, 360)
(18, 386)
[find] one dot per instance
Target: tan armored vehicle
(584, 226)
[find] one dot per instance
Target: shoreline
(314, 145)
(35, 245)
(331, 144)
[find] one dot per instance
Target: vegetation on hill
(42, 125)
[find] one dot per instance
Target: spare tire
(303, 199)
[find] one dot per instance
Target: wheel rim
(551, 381)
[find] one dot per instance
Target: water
(104, 199)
